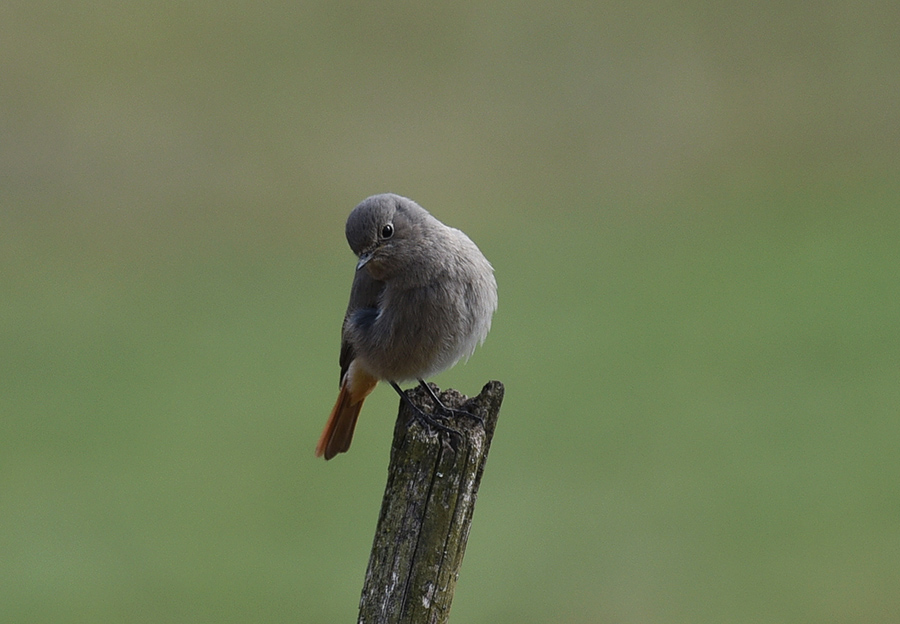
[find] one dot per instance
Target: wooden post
(426, 513)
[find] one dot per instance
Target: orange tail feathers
(338, 432)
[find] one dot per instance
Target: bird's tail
(338, 432)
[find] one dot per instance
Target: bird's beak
(364, 259)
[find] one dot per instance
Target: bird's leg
(429, 419)
(450, 410)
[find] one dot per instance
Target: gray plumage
(422, 299)
(423, 296)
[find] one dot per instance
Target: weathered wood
(426, 513)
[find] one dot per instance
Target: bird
(422, 299)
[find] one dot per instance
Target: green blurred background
(693, 213)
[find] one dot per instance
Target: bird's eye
(387, 231)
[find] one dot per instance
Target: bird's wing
(364, 297)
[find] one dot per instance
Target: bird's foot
(434, 421)
(449, 411)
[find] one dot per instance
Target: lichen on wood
(423, 527)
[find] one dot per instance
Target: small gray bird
(422, 299)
